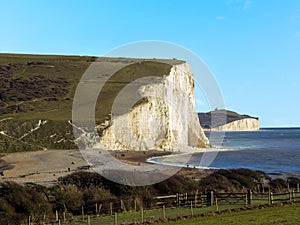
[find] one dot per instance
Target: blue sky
(252, 46)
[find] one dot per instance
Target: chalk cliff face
(248, 124)
(165, 119)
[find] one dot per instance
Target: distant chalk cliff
(225, 120)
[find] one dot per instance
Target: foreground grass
(289, 214)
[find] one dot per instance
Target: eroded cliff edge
(165, 119)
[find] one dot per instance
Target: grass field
(287, 214)
(278, 215)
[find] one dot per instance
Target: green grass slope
(41, 87)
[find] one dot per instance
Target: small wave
(182, 155)
(182, 165)
(225, 149)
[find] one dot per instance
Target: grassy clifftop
(34, 89)
(37, 92)
(39, 87)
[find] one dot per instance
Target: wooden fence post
(164, 212)
(135, 205)
(177, 200)
(196, 198)
(82, 212)
(123, 208)
(142, 215)
(89, 220)
(298, 188)
(56, 215)
(210, 198)
(29, 222)
(99, 210)
(111, 208)
(116, 218)
(96, 209)
(192, 211)
(249, 197)
(64, 216)
(271, 198)
(217, 205)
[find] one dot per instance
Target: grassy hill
(37, 92)
(39, 87)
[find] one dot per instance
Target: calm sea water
(275, 151)
(271, 150)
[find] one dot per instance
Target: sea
(275, 151)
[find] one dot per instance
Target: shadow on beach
(4, 166)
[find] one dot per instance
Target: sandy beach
(46, 166)
(42, 167)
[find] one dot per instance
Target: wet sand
(137, 157)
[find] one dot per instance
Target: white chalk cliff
(247, 124)
(165, 119)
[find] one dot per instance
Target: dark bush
(278, 185)
(175, 184)
(6, 208)
(94, 195)
(17, 201)
(216, 182)
(233, 180)
(67, 197)
(294, 182)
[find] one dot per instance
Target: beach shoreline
(46, 166)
